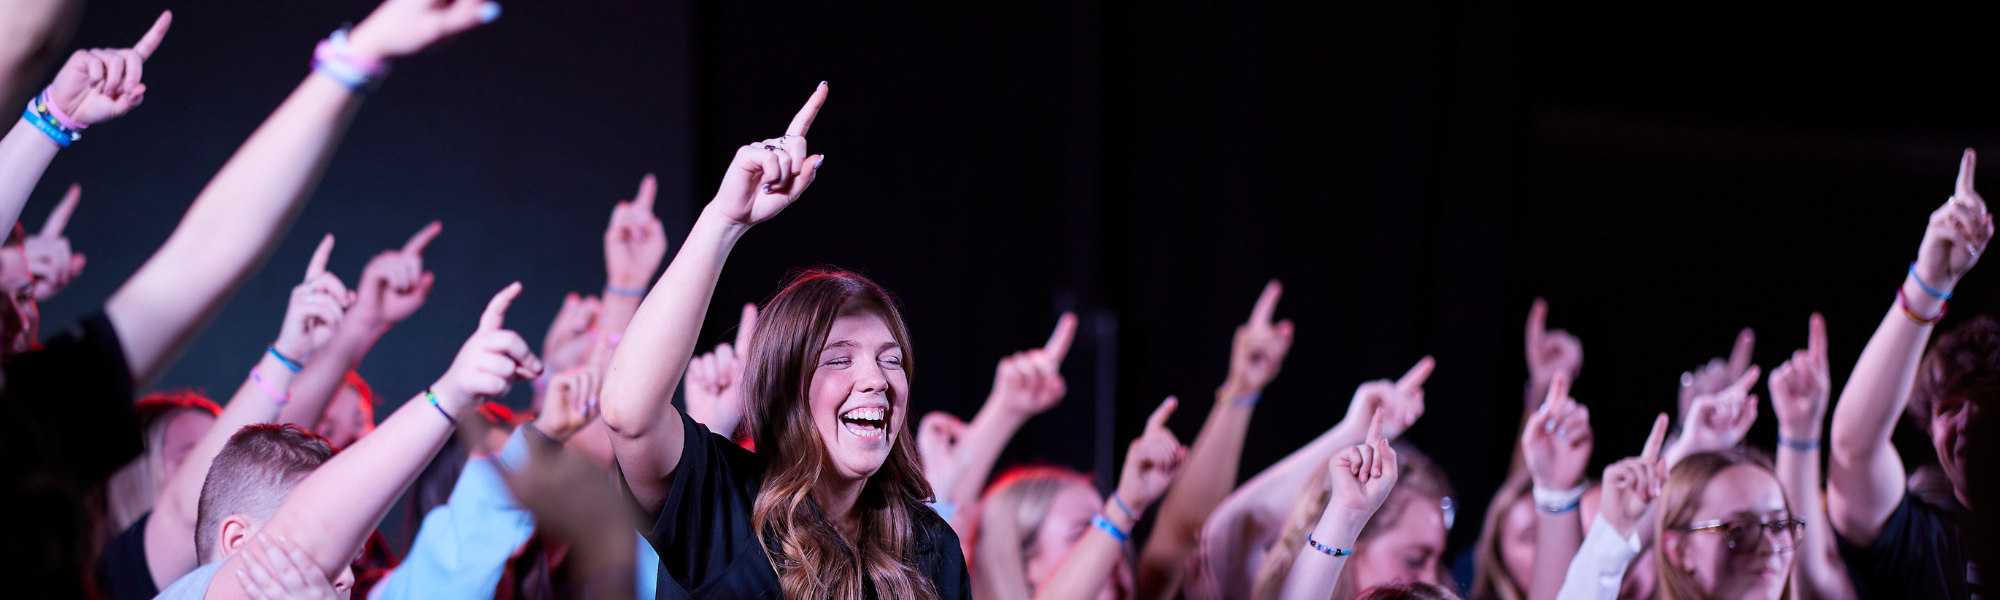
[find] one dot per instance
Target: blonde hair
(1009, 518)
(131, 491)
(1681, 499)
(1491, 579)
(1418, 479)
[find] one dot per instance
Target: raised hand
(1259, 348)
(1957, 234)
(1800, 387)
(1630, 485)
(713, 386)
(317, 307)
(490, 360)
(1401, 400)
(635, 242)
(570, 404)
(1030, 381)
(101, 84)
(1717, 421)
(765, 177)
(1151, 461)
(1718, 374)
(394, 284)
(50, 261)
(1364, 473)
(1550, 352)
(279, 570)
(1556, 441)
(400, 28)
(937, 446)
(568, 341)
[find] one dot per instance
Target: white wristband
(1559, 501)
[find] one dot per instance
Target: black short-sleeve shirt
(1919, 554)
(122, 570)
(708, 547)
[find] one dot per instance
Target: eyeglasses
(1743, 535)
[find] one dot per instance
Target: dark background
(1415, 172)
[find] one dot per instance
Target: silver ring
(770, 147)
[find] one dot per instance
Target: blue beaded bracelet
(434, 404)
(1105, 524)
(290, 365)
(1926, 287)
(1333, 552)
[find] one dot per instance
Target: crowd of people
(796, 470)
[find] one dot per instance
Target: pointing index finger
(1058, 346)
(1966, 163)
(1159, 418)
(1374, 427)
(1816, 337)
(745, 327)
(643, 202)
(1267, 304)
(804, 120)
(1747, 381)
(317, 266)
(59, 218)
(1655, 439)
(151, 41)
(1739, 356)
(495, 316)
(1538, 323)
(1414, 379)
(423, 238)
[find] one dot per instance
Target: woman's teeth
(865, 422)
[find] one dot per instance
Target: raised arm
(1362, 476)
(31, 32)
(1255, 356)
(50, 261)
(1864, 476)
(1556, 445)
(333, 510)
(646, 434)
(240, 216)
(634, 244)
(1630, 485)
(392, 287)
(1025, 384)
(1150, 465)
(1716, 421)
(1799, 392)
(95, 86)
(714, 386)
(1550, 352)
(316, 309)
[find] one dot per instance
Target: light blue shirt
(463, 545)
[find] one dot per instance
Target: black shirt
(122, 571)
(1919, 554)
(708, 547)
(66, 424)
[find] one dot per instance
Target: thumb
(495, 316)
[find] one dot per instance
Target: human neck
(838, 500)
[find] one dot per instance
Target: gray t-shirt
(192, 586)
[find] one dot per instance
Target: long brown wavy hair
(811, 558)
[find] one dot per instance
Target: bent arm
(646, 432)
(324, 375)
(232, 227)
(170, 532)
(24, 155)
(1090, 563)
(1198, 489)
(1864, 474)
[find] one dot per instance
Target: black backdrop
(1414, 171)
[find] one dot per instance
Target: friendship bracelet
(1100, 522)
(1798, 444)
(335, 60)
(63, 118)
(1122, 507)
(281, 397)
(290, 364)
(1926, 287)
(39, 116)
(1248, 401)
(434, 404)
(622, 291)
(1557, 502)
(1333, 552)
(1904, 302)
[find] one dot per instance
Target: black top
(1919, 554)
(708, 547)
(122, 572)
(66, 424)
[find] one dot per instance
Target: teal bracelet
(624, 291)
(290, 365)
(1100, 522)
(1926, 287)
(1333, 552)
(62, 137)
(1798, 444)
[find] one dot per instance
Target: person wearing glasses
(1725, 530)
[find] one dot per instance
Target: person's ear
(236, 532)
(1672, 547)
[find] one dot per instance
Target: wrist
(997, 411)
(1340, 524)
(1919, 300)
(289, 351)
(450, 399)
(726, 230)
(1116, 515)
(1234, 389)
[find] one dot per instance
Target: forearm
(979, 450)
(32, 32)
(1557, 537)
(1864, 473)
(333, 510)
(1314, 573)
(327, 371)
(1270, 493)
(24, 155)
(1090, 563)
(231, 228)
(662, 333)
(1820, 567)
(1207, 478)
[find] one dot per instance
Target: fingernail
(489, 12)
(821, 85)
(822, 161)
(767, 188)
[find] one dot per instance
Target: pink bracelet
(334, 47)
(279, 396)
(57, 112)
